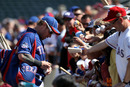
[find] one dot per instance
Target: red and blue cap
(52, 22)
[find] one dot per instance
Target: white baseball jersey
(121, 42)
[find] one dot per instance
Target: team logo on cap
(67, 13)
(24, 45)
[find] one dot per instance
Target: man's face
(69, 22)
(45, 31)
(78, 14)
(85, 22)
(115, 23)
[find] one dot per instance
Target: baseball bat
(69, 74)
(105, 2)
(65, 71)
(8, 47)
(4, 42)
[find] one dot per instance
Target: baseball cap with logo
(68, 15)
(52, 24)
(115, 12)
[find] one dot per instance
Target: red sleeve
(70, 32)
(63, 39)
(75, 30)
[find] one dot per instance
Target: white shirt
(122, 45)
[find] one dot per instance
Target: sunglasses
(76, 14)
(50, 29)
(115, 21)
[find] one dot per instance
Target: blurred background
(17, 15)
(26, 8)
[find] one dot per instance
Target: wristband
(37, 63)
(125, 82)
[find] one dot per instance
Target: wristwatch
(126, 82)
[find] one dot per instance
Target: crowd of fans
(78, 27)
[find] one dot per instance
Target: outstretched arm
(98, 47)
(27, 58)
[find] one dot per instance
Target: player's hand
(48, 71)
(45, 65)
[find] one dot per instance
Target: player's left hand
(48, 71)
(45, 65)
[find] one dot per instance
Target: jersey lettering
(29, 69)
(120, 52)
(40, 49)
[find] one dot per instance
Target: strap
(34, 48)
(2, 53)
(119, 33)
(13, 51)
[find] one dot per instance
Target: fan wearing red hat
(120, 41)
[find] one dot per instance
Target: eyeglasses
(49, 27)
(111, 23)
(76, 14)
(115, 21)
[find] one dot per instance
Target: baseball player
(119, 41)
(31, 55)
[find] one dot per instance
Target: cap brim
(108, 19)
(67, 17)
(55, 30)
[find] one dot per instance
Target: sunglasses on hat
(51, 32)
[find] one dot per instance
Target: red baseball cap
(115, 12)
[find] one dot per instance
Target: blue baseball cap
(33, 19)
(53, 23)
(68, 15)
(73, 8)
(91, 24)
